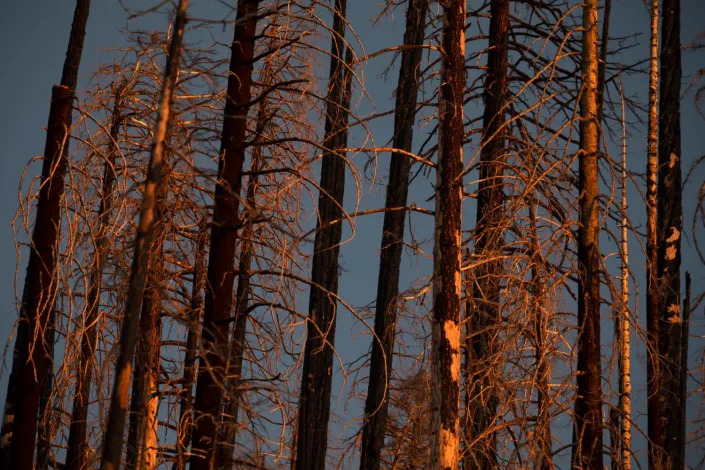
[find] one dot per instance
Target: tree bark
(33, 352)
(185, 426)
(221, 259)
(77, 453)
(113, 442)
(485, 315)
(669, 228)
(314, 394)
(653, 369)
(377, 402)
(445, 326)
(588, 403)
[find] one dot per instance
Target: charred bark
(314, 398)
(377, 402)
(669, 228)
(445, 325)
(33, 352)
(221, 259)
(113, 441)
(485, 315)
(588, 402)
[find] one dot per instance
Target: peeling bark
(445, 326)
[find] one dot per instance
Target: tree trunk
(445, 326)
(685, 333)
(653, 369)
(588, 403)
(221, 259)
(314, 398)
(113, 441)
(669, 229)
(185, 426)
(33, 352)
(377, 402)
(485, 315)
(77, 453)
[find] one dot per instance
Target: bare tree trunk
(221, 258)
(113, 441)
(489, 241)
(588, 403)
(669, 228)
(314, 398)
(653, 368)
(185, 426)
(33, 353)
(142, 427)
(623, 335)
(377, 402)
(77, 453)
(445, 326)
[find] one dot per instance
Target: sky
(34, 35)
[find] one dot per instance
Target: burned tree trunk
(485, 316)
(588, 402)
(33, 354)
(221, 259)
(185, 426)
(314, 398)
(113, 441)
(77, 453)
(445, 347)
(669, 228)
(377, 402)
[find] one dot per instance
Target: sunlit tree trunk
(485, 316)
(32, 359)
(77, 453)
(221, 259)
(588, 403)
(314, 394)
(377, 402)
(113, 439)
(445, 323)
(669, 228)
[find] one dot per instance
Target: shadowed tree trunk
(77, 453)
(588, 403)
(185, 426)
(221, 258)
(653, 368)
(669, 228)
(314, 398)
(113, 440)
(485, 315)
(377, 402)
(445, 323)
(32, 360)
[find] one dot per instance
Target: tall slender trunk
(445, 323)
(77, 453)
(226, 444)
(314, 398)
(377, 402)
(653, 368)
(221, 258)
(33, 352)
(669, 228)
(142, 427)
(113, 441)
(185, 427)
(623, 335)
(489, 239)
(588, 403)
